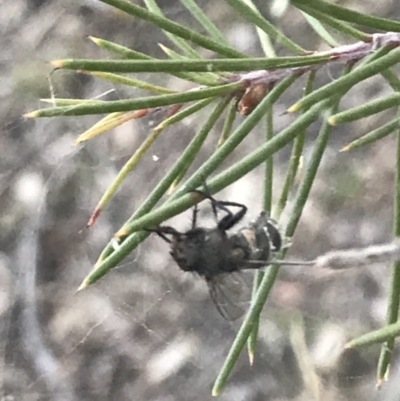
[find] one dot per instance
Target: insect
(217, 255)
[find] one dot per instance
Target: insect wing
(226, 291)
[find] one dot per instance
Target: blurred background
(148, 331)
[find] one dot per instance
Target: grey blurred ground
(147, 331)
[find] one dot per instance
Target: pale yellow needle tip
(57, 63)
(345, 149)
(121, 233)
(32, 114)
(293, 108)
(84, 285)
(251, 358)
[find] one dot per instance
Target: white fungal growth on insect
(359, 257)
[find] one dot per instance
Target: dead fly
(216, 255)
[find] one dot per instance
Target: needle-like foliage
(232, 83)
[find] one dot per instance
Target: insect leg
(230, 219)
(194, 216)
(163, 231)
(206, 195)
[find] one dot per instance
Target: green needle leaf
(394, 296)
(374, 135)
(334, 23)
(182, 44)
(173, 66)
(136, 104)
(137, 83)
(133, 54)
(320, 29)
(295, 159)
(354, 17)
(228, 124)
(366, 109)
(199, 14)
(267, 206)
(265, 40)
(343, 84)
(378, 336)
(256, 18)
(172, 27)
